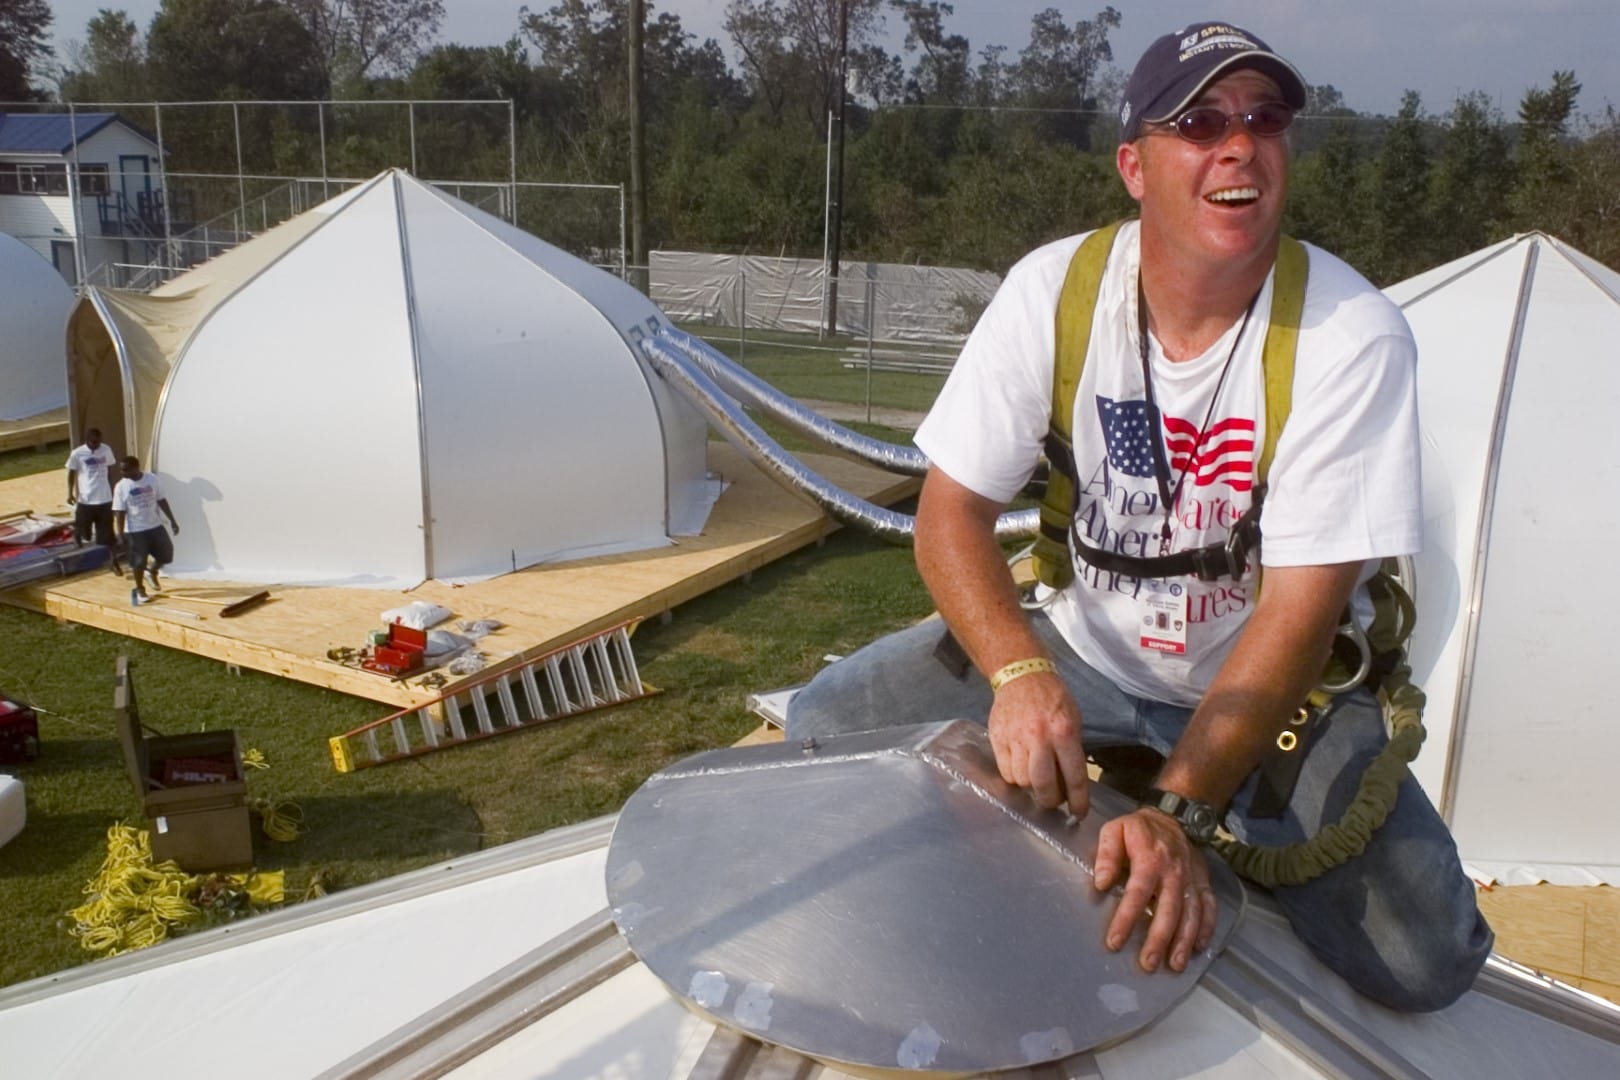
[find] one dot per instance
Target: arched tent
(396, 386)
(1518, 389)
(122, 343)
(34, 306)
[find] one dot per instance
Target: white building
(113, 203)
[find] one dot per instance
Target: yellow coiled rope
(283, 821)
(133, 903)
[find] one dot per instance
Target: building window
(19, 179)
(93, 180)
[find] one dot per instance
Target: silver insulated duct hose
(668, 353)
(749, 389)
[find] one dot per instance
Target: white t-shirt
(138, 499)
(92, 466)
(1344, 485)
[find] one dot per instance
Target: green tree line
(954, 154)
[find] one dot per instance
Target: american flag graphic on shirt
(1223, 454)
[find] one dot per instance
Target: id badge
(1162, 613)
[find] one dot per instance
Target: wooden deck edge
(198, 640)
(34, 436)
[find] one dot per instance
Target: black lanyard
(1168, 495)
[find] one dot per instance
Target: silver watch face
(1199, 821)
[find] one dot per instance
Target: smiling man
(1175, 336)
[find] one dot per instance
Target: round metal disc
(886, 901)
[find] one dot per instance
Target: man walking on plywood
(136, 502)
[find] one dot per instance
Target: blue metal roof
(49, 133)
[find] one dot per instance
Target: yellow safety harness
(1077, 303)
(1383, 652)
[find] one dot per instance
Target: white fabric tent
(1518, 385)
(407, 388)
(502, 965)
(34, 306)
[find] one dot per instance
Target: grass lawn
(805, 368)
(17, 463)
(748, 636)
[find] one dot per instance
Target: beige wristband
(1018, 669)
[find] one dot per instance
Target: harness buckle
(1351, 631)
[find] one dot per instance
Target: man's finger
(1071, 763)
(1110, 854)
(1192, 921)
(1167, 920)
(1133, 904)
(1044, 781)
(1209, 909)
(1003, 753)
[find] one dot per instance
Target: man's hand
(1035, 732)
(1164, 875)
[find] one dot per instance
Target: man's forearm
(1278, 658)
(967, 576)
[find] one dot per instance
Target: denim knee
(1400, 924)
(897, 680)
(823, 706)
(1429, 978)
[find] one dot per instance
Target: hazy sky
(1371, 50)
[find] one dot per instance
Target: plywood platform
(1569, 932)
(34, 431)
(543, 607)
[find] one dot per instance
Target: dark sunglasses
(1207, 124)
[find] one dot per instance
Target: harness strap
(1077, 303)
(1282, 343)
(1077, 306)
(1208, 563)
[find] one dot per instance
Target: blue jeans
(1398, 922)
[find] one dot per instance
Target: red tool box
(19, 732)
(402, 655)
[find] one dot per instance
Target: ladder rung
(480, 706)
(554, 678)
(582, 678)
(627, 657)
(503, 691)
(430, 726)
(452, 710)
(531, 693)
(610, 684)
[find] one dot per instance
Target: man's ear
(1128, 160)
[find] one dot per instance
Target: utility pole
(837, 207)
(638, 146)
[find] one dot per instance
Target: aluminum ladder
(590, 673)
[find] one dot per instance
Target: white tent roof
(505, 965)
(403, 387)
(1517, 383)
(34, 306)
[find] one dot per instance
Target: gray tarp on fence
(889, 301)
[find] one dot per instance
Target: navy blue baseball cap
(1178, 67)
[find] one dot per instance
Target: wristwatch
(1197, 819)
